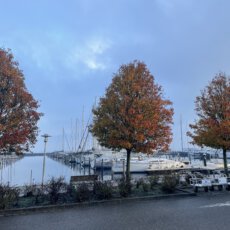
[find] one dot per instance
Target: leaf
(133, 115)
(18, 108)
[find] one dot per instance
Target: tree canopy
(212, 129)
(18, 108)
(133, 114)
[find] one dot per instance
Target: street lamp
(46, 136)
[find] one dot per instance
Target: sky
(70, 50)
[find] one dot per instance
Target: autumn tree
(18, 108)
(212, 129)
(133, 114)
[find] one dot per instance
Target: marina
(108, 165)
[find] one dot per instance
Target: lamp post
(46, 136)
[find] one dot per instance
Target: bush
(102, 190)
(29, 190)
(169, 183)
(70, 190)
(124, 187)
(145, 187)
(54, 188)
(34, 191)
(153, 181)
(82, 192)
(141, 183)
(8, 196)
(38, 194)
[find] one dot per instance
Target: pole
(89, 165)
(204, 159)
(31, 177)
(112, 173)
(123, 166)
(181, 133)
(102, 169)
(1, 169)
(44, 157)
(63, 140)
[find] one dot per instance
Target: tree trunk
(128, 165)
(225, 161)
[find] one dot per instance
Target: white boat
(106, 158)
(146, 164)
(165, 164)
(102, 162)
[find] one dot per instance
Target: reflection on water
(29, 170)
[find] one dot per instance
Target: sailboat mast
(76, 136)
(82, 122)
(63, 140)
(181, 133)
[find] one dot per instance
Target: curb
(49, 208)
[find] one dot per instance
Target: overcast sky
(69, 51)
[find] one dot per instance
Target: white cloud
(98, 46)
(53, 54)
(94, 65)
(92, 54)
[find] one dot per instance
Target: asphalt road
(206, 211)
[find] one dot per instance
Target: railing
(209, 183)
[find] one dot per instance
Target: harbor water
(28, 170)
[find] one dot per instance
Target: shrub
(102, 190)
(54, 188)
(8, 196)
(82, 192)
(70, 190)
(124, 187)
(169, 183)
(29, 190)
(141, 183)
(153, 181)
(145, 187)
(38, 194)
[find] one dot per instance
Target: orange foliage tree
(133, 114)
(213, 109)
(18, 115)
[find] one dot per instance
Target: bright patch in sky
(98, 46)
(94, 65)
(91, 54)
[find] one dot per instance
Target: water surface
(29, 170)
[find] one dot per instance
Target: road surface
(206, 211)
